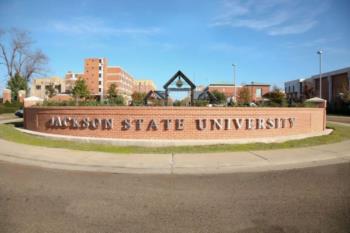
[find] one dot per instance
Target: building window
(100, 67)
(258, 92)
(317, 84)
(100, 75)
(100, 90)
(99, 82)
(58, 88)
(38, 87)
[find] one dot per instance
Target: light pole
(319, 52)
(234, 82)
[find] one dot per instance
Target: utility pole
(234, 82)
(319, 52)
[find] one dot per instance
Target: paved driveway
(46, 200)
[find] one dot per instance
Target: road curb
(210, 163)
(203, 163)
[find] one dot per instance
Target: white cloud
(97, 27)
(292, 29)
(275, 17)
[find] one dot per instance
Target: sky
(270, 41)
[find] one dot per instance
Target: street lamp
(234, 82)
(319, 52)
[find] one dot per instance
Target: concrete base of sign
(164, 143)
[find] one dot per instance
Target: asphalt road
(43, 200)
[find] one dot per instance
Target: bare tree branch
(17, 54)
(4, 53)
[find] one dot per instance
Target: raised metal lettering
(216, 124)
(152, 125)
(179, 124)
(126, 124)
(201, 124)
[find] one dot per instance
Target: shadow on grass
(16, 124)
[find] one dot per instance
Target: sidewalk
(340, 119)
(204, 163)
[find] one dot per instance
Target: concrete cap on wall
(32, 100)
(321, 103)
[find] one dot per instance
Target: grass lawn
(8, 132)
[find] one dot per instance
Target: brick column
(21, 95)
(6, 96)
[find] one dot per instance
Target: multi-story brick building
(123, 80)
(99, 76)
(257, 90)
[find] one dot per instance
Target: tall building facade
(122, 79)
(95, 70)
(99, 76)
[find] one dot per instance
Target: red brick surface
(307, 120)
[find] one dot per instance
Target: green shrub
(118, 100)
(201, 103)
(10, 107)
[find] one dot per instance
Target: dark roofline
(183, 76)
(221, 84)
(160, 94)
(257, 84)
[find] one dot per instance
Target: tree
(117, 100)
(220, 97)
(138, 98)
(80, 89)
(16, 83)
(112, 91)
(113, 96)
(50, 90)
(345, 95)
(244, 96)
(17, 55)
(307, 90)
(276, 97)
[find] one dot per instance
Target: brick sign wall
(174, 122)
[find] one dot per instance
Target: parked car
(19, 113)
